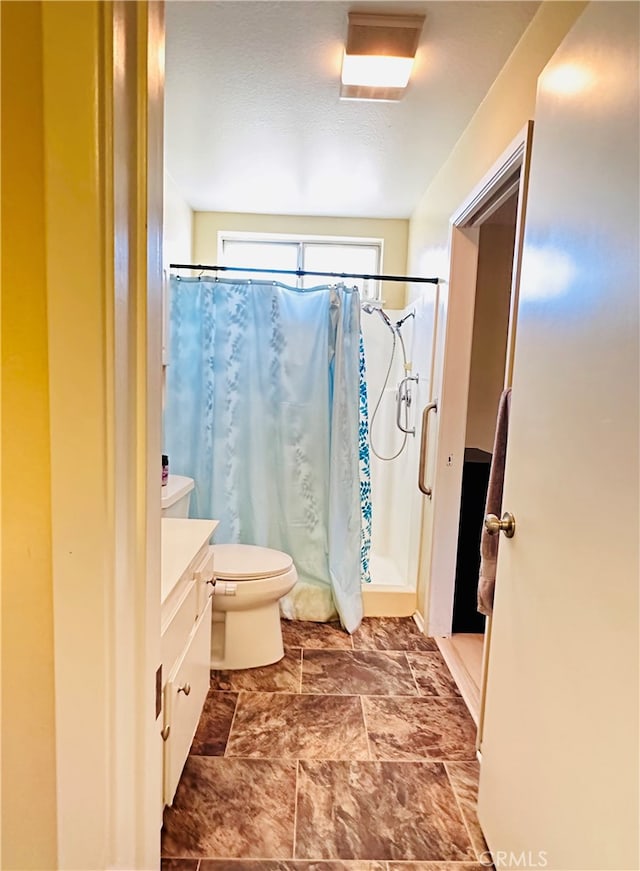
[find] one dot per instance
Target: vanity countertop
(181, 540)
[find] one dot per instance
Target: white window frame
(372, 292)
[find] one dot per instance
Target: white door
(559, 772)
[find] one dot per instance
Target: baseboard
(381, 601)
(469, 689)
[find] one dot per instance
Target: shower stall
(399, 353)
(216, 324)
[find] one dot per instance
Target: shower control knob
(494, 525)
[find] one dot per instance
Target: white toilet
(249, 581)
(176, 495)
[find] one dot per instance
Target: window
(317, 254)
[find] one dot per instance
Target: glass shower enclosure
(396, 499)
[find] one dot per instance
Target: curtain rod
(301, 272)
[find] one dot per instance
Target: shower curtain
(263, 410)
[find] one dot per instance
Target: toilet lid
(240, 562)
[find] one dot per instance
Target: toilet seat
(248, 562)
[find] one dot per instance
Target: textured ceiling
(254, 122)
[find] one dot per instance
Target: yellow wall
(509, 104)
(28, 724)
(393, 231)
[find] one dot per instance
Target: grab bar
(406, 398)
(424, 488)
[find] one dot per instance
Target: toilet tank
(176, 495)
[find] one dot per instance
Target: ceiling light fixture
(379, 54)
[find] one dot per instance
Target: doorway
(480, 333)
(496, 241)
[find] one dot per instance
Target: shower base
(388, 594)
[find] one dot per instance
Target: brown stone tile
(437, 866)
(431, 674)
(279, 725)
(351, 672)
(464, 778)
(213, 729)
(257, 865)
(378, 811)
(179, 865)
(281, 677)
(423, 728)
(226, 808)
(309, 635)
(391, 633)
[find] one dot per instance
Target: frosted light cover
(376, 71)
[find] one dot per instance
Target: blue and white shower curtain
(263, 409)
(366, 507)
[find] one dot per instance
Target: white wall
(178, 225)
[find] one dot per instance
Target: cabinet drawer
(173, 558)
(203, 574)
(182, 710)
(179, 626)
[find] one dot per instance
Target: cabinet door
(179, 626)
(184, 696)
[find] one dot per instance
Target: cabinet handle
(165, 732)
(186, 689)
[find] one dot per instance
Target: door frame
(456, 369)
(102, 122)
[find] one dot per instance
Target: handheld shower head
(385, 318)
(369, 309)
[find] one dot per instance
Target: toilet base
(246, 639)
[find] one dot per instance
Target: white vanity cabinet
(187, 567)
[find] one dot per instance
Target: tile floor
(353, 753)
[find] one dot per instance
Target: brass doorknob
(494, 525)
